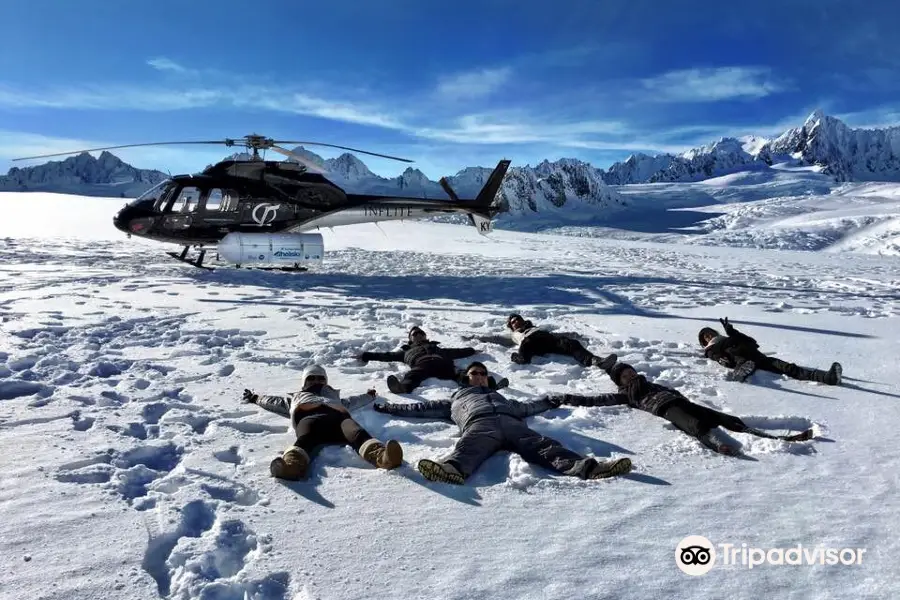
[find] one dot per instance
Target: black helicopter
(256, 211)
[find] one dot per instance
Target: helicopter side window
(214, 199)
(222, 200)
(187, 200)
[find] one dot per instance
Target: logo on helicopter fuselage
(268, 214)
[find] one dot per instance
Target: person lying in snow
(695, 420)
(319, 416)
(425, 360)
(490, 422)
(534, 341)
(740, 352)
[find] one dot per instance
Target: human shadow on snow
(586, 293)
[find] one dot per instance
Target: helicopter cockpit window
(155, 193)
(187, 200)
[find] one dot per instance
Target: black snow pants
(441, 369)
(321, 426)
(543, 342)
(696, 420)
(488, 435)
(781, 367)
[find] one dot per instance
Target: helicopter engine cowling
(271, 248)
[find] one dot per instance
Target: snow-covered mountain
(844, 153)
(822, 141)
(527, 190)
(106, 175)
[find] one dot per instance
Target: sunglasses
(477, 372)
(321, 378)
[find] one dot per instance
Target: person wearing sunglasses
(425, 360)
(535, 341)
(490, 422)
(319, 417)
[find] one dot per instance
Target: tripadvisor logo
(696, 555)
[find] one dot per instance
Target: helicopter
(260, 213)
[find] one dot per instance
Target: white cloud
(474, 84)
(165, 64)
(710, 85)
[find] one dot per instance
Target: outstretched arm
(280, 405)
(352, 403)
(381, 356)
(529, 409)
(454, 353)
(419, 410)
(741, 338)
(597, 400)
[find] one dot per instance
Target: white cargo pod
(271, 248)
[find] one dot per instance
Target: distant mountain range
(552, 189)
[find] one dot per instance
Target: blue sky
(448, 85)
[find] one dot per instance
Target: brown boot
(383, 456)
(291, 465)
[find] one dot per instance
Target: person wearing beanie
(740, 353)
(319, 416)
(490, 422)
(425, 360)
(533, 341)
(697, 421)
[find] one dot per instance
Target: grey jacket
(295, 404)
(468, 404)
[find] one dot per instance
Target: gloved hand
(249, 397)
(725, 323)
(372, 393)
(379, 408)
(555, 400)
(364, 357)
(518, 359)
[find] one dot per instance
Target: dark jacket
(639, 393)
(417, 355)
(732, 349)
(468, 404)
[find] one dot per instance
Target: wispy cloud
(711, 85)
(165, 64)
(474, 84)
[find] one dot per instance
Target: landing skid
(198, 262)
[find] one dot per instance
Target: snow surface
(786, 208)
(132, 470)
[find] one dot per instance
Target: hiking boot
(711, 440)
(439, 471)
(591, 468)
(605, 363)
(291, 465)
(383, 456)
(394, 385)
(834, 375)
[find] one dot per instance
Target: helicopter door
(180, 211)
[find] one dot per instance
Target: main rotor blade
(226, 142)
(310, 166)
(345, 148)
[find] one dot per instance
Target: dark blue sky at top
(449, 85)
